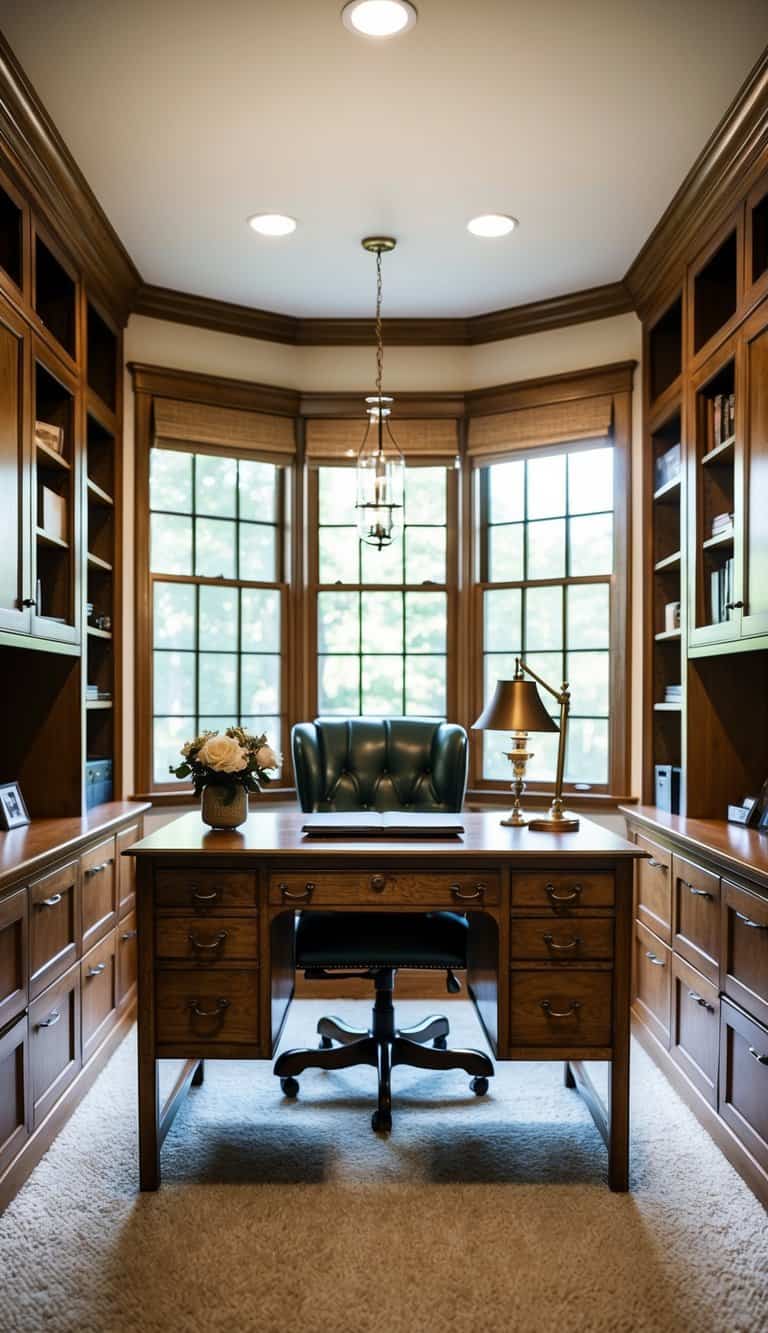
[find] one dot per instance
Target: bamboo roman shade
(179, 422)
(529, 427)
(339, 440)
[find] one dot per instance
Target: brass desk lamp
(517, 707)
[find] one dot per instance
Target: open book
(389, 824)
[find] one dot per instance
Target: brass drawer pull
(303, 897)
(753, 925)
(761, 1059)
(700, 1001)
(556, 897)
(697, 893)
(551, 942)
(378, 883)
(560, 1013)
(657, 865)
(129, 935)
(221, 1005)
(96, 870)
(53, 901)
(477, 893)
(653, 959)
(198, 897)
(51, 1020)
(96, 970)
(216, 943)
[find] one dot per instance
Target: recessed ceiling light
(272, 224)
(378, 18)
(492, 224)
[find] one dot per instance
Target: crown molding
(205, 313)
(45, 170)
(724, 169)
(613, 298)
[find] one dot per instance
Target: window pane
(588, 616)
(425, 555)
(218, 685)
(543, 766)
(260, 683)
(588, 679)
(218, 619)
(260, 612)
(498, 666)
(170, 733)
(501, 616)
(174, 615)
(590, 481)
(382, 679)
(425, 622)
(258, 490)
(546, 486)
(425, 495)
(505, 553)
(212, 722)
(338, 492)
(338, 622)
(550, 667)
(506, 492)
(382, 566)
(258, 552)
(546, 549)
(339, 685)
(543, 618)
(215, 482)
(215, 548)
(382, 622)
(171, 544)
(592, 545)
(586, 757)
(496, 766)
(170, 480)
(425, 686)
(174, 683)
(338, 555)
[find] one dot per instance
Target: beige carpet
(475, 1215)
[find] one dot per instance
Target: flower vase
(224, 807)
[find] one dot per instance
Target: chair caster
(440, 1043)
(290, 1086)
(381, 1122)
(479, 1085)
(325, 1044)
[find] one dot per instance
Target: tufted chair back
(371, 763)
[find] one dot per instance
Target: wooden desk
(550, 944)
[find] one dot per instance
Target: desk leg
(618, 1143)
(149, 1104)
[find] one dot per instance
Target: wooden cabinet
(54, 1041)
(696, 915)
(14, 986)
(209, 1008)
(695, 1030)
(652, 974)
(754, 497)
(125, 867)
(744, 1080)
(126, 961)
(654, 892)
(744, 971)
(99, 993)
(99, 891)
(16, 592)
(54, 907)
(561, 1009)
(15, 1103)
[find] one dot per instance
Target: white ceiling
(580, 117)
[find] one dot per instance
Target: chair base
(383, 1046)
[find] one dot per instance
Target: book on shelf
(51, 436)
(667, 467)
(721, 419)
(721, 592)
(53, 514)
(722, 523)
(673, 694)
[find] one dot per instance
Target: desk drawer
(745, 949)
(743, 1101)
(654, 888)
(54, 1041)
(568, 1009)
(581, 940)
(126, 960)
(203, 890)
(696, 915)
(695, 1032)
(54, 926)
(14, 985)
(378, 889)
(98, 994)
(652, 975)
(215, 1005)
(98, 888)
(214, 940)
(563, 892)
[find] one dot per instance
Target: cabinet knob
(733, 606)
(761, 1059)
(53, 901)
(560, 1013)
(747, 921)
(216, 942)
(572, 943)
(221, 1005)
(658, 962)
(697, 893)
(51, 1020)
(303, 897)
(96, 970)
(378, 883)
(129, 935)
(198, 897)
(96, 870)
(478, 893)
(700, 1001)
(656, 865)
(556, 897)
(29, 602)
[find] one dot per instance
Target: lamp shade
(516, 706)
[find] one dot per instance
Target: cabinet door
(125, 867)
(126, 960)
(744, 1079)
(695, 1036)
(755, 478)
(98, 994)
(14, 1091)
(98, 891)
(15, 468)
(696, 914)
(744, 965)
(652, 973)
(14, 986)
(654, 888)
(54, 908)
(54, 1041)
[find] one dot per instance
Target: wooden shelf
(99, 495)
(669, 492)
(93, 704)
(49, 456)
(667, 635)
(720, 539)
(96, 562)
(721, 452)
(669, 562)
(668, 708)
(47, 539)
(98, 633)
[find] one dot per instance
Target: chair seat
(377, 939)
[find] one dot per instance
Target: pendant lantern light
(380, 463)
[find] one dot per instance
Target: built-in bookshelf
(55, 297)
(715, 291)
(668, 545)
(11, 225)
(713, 509)
(665, 349)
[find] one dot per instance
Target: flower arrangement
(233, 759)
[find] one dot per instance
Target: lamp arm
(560, 695)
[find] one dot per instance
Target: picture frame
(763, 822)
(13, 811)
(747, 813)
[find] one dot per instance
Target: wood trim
(568, 387)
(206, 313)
(217, 390)
(409, 406)
(555, 312)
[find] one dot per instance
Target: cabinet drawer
(125, 867)
(563, 892)
(54, 911)
(579, 940)
(202, 890)
(654, 888)
(652, 975)
(745, 949)
(695, 1029)
(54, 1041)
(379, 888)
(696, 915)
(98, 994)
(214, 940)
(560, 1009)
(14, 1090)
(744, 1079)
(199, 1007)
(13, 956)
(98, 889)
(126, 960)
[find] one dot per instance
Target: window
(382, 616)
(216, 598)
(548, 588)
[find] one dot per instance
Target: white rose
(223, 754)
(266, 757)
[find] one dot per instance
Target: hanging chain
(379, 332)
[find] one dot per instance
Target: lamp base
(554, 824)
(515, 819)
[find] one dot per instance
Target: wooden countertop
(744, 850)
(278, 832)
(24, 850)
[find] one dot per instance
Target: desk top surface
(278, 833)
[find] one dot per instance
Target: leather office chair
(381, 764)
